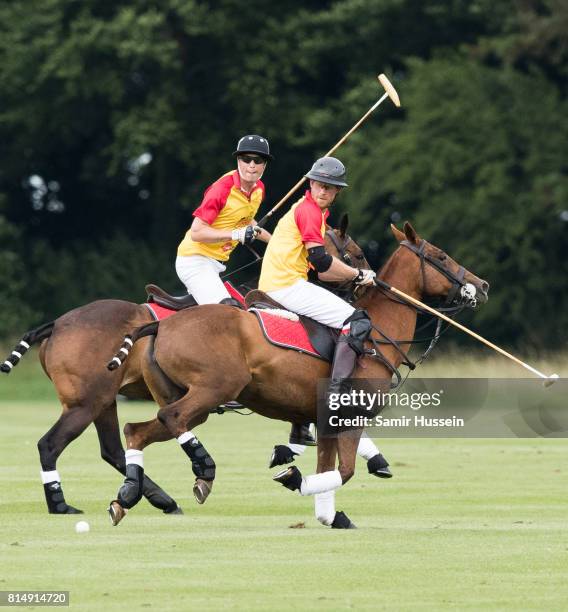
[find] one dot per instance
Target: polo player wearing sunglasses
(224, 219)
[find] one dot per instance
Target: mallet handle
(269, 214)
(463, 328)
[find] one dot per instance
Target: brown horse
(186, 380)
(72, 353)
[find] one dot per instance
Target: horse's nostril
(485, 287)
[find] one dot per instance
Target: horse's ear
(343, 225)
(410, 233)
(397, 233)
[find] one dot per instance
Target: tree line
(116, 116)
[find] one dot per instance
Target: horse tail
(150, 329)
(29, 339)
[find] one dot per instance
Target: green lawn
(464, 524)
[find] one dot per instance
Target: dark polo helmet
(254, 144)
(328, 170)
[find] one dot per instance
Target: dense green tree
(15, 309)
(479, 164)
(115, 117)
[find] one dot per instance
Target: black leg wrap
(342, 521)
(55, 499)
(281, 455)
(130, 492)
(379, 466)
(158, 497)
(202, 463)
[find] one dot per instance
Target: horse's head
(339, 244)
(438, 274)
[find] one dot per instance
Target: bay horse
(73, 349)
(210, 354)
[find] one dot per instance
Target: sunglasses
(247, 159)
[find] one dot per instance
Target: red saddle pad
(285, 333)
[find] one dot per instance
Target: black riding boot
(347, 350)
(344, 362)
(301, 434)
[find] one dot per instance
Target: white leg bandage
(47, 477)
(367, 448)
(325, 507)
(296, 448)
(185, 437)
(321, 483)
(134, 456)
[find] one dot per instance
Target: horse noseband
(468, 294)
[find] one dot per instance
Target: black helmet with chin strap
(328, 170)
(254, 144)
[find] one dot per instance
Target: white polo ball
(82, 527)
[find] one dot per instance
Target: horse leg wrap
(55, 499)
(281, 455)
(342, 521)
(130, 492)
(158, 497)
(202, 463)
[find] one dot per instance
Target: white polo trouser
(200, 275)
(315, 302)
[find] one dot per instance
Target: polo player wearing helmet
(297, 242)
(224, 218)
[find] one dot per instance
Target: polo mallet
(548, 380)
(390, 92)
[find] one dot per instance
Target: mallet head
(551, 380)
(391, 91)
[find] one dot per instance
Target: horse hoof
(66, 510)
(201, 490)
(291, 478)
(116, 512)
(176, 510)
(379, 466)
(342, 521)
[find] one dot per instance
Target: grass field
(464, 524)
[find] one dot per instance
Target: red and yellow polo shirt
(224, 206)
(286, 257)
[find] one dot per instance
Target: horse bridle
(344, 289)
(341, 247)
(461, 293)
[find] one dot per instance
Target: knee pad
(360, 327)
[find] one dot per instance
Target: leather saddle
(160, 297)
(323, 338)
